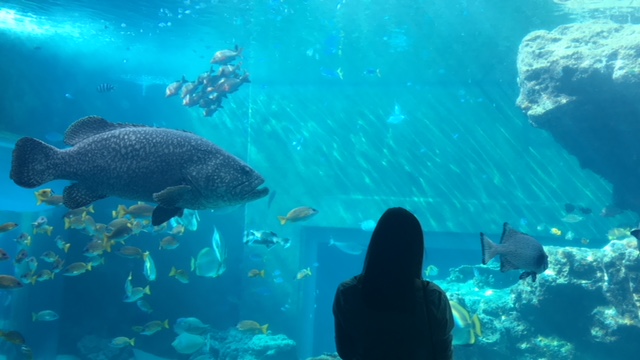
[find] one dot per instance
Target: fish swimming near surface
(175, 169)
(518, 251)
(223, 57)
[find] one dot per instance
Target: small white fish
(45, 315)
(190, 219)
(149, 267)
(572, 218)
(207, 264)
(368, 225)
(127, 286)
(431, 270)
(570, 235)
(397, 117)
(349, 247)
(216, 242)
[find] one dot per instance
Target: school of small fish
(118, 237)
(208, 90)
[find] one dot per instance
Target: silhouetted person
(388, 312)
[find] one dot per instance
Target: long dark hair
(393, 262)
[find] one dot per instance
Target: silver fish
(218, 246)
(349, 247)
(149, 267)
(207, 264)
(175, 169)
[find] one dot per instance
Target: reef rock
(586, 305)
(326, 357)
(237, 345)
(581, 83)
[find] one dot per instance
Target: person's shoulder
(433, 290)
(348, 284)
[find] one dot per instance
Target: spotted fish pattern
(176, 169)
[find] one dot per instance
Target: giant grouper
(176, 169)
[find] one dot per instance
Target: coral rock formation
(581, 83)
(586, 305)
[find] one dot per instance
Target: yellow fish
(122, 341)
(152, 327)
(467, 328)
(180, 275)
(140, 210)
(303, 274)
(255, 273)
(76, 269)
(249, 325)
(555, 231)
(298, 214)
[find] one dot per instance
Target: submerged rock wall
(581, 83)
(585, 306)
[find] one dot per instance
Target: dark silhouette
(388, 311)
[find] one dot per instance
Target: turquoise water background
(463, 157)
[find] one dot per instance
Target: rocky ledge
(581, 83)
(585, 306)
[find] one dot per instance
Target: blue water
(353, 107)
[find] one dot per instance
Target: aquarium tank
(193, 179)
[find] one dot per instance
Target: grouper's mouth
(258, 193)
(255, 190)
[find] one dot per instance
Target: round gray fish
(176, 169)
(518, 251)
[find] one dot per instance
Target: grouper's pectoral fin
(78, 195)
(172, 196)
(168, 200)
(162, 214)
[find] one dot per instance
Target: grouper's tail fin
(34, 163)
